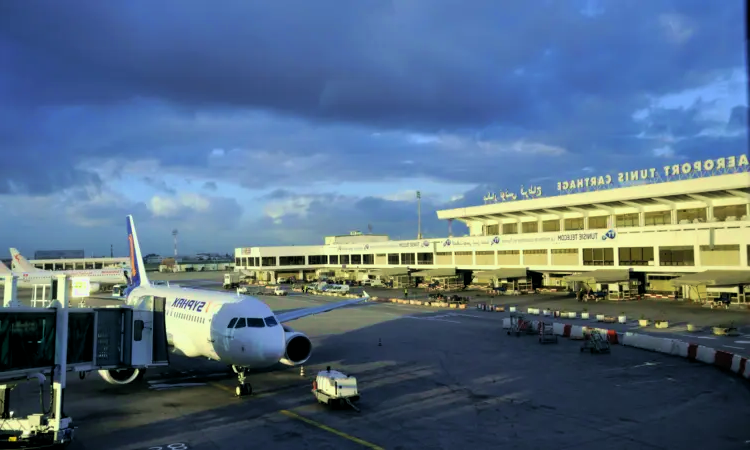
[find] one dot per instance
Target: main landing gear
(242, 388)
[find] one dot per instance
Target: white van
(338, 288)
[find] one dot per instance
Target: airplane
(98, 278)
(238, 330)
(27, 280)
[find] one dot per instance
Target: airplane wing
(304, 312)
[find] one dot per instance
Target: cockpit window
(232, 322)
(255, 323)
(240, 323)
(271, 321)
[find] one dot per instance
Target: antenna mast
(174, 235)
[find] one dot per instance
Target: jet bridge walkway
(46, 343)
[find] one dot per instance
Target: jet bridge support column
(58, 423)
(10, 297)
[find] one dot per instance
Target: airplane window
(240, 323)
(271, 321)
(232, 322)
(255, 323)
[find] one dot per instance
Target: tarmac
(440, 379)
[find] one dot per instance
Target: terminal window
(530, 227)
(598, 257)
(535, 252)
(393, 259)
(344, 259)
(732, 212)
(238, 262)
(424, 258)
(506, 252)
(408, 258)
(317, 259)
(510, 228)
(492, 230)
(658, 218)
(368, 259)
(694, 215)
(356, 259)
(574, 224)
(627, 220)
(636, 256)
(268, 261)
(550, 225)
(676, 256)
(333, 259)
(559, 251)
(292, 260)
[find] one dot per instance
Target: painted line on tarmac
(732, 346)
(431, 319)
(696, 337)
(323, 427)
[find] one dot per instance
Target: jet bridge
(41, 344)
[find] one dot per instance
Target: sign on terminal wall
(673, 172)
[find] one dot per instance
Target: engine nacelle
(298, 348)
(122, 376)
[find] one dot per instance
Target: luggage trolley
(516, 324)
(594, 342)
(546, 335)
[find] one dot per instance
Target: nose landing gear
(243, 388)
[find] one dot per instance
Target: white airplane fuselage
(198, 325)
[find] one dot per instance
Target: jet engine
(298, 348)
(122, 376)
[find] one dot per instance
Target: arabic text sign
(504, 196)
(718, 166)
(81, 287)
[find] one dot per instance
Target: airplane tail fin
(21, 262)
(138, 275)
(4, 269)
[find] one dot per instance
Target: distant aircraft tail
(4, 269)
(138, 275)
(21, 262)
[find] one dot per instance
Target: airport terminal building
(678, 231)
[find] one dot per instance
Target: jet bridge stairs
(42, 345)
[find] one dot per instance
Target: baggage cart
(546, 335)
(516, 322)
(594, 342)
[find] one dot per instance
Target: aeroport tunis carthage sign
(694, 169)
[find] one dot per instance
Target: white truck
(231, 280)
(335, 388)
(338, 288)
(278, 290)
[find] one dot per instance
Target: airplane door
(160, 350)
(149, 333)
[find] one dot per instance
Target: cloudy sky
(258, 123)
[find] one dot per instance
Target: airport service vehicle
(99, 279)
(236, 330)
(338, 288)
(279, 291)
(231, 280)
(335, 388)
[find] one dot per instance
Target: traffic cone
(302, 371)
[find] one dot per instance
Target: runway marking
(732, 346)
(742, 342)
(330, 430)
(165, 386)
(695, 337)
(222, 387)
(430, 319)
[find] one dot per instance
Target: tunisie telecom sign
(673, 172)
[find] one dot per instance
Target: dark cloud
(159, 185)
(494, 94)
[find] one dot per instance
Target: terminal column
(10, 295)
